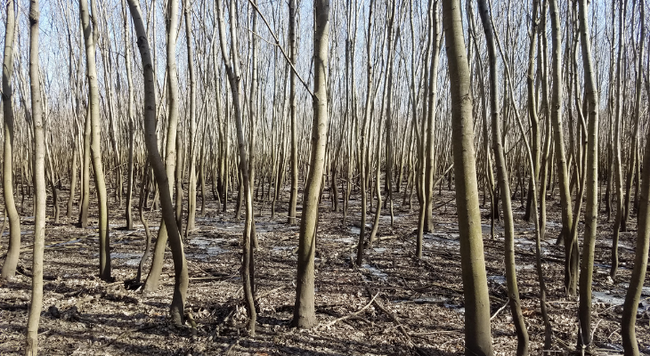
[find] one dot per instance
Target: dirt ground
(417, 310)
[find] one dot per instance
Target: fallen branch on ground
(353, 314)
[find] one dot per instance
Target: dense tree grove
(367, 109)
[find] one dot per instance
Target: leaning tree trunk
(13, 252)
(153, 279)
(40, 194)
(304, 313)
(504, 186)
(478, 338)
(95, 126)
(181, 279)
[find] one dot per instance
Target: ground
(417, 307)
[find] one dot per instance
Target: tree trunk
(13, 252)
(40, 194)
(618, 170)
(131, 123)
(570, 244)
(90, 35)
(504, 186)
(304, 315)
(591, 213)
(628, 333)
(191, 199)
(234, 78)
(293, 56)
(478, 339)
(181, 279)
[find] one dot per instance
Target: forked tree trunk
(234, 78)
(90, 35)
(181, 279)
(478, 338)
(153, 279)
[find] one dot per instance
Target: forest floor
(417, 310)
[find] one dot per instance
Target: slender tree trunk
(570, 244)
(363, 156)
(191, 199)
(181, 279)
(130, 114)
(13, 252)
(40, 194)
(591, 213)
(618, 170)
(504, 186)
(628, 333)
(478, 339)
(90, 35)
(234, 78)
(432, 93)
(304, 315)
(73, 178)
(85, 173)
(293, 56)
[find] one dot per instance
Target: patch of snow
(497, 279)
(375, 272)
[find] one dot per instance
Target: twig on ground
(232, 345)
(146, 327)
(266, 294)
(500, 310)
(353, 314)
(395, 320)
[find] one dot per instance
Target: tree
(570, 240)
(171, 154)
(304, 314)
(591, 213)
(234, 79)
(191, 199)
(618, 170)
(93, 99)
(478, 338)
(628, 333)
(504, 184)
(181, 279)
(130, 116)
(13, 252)
(293, 54)
(40, 194)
